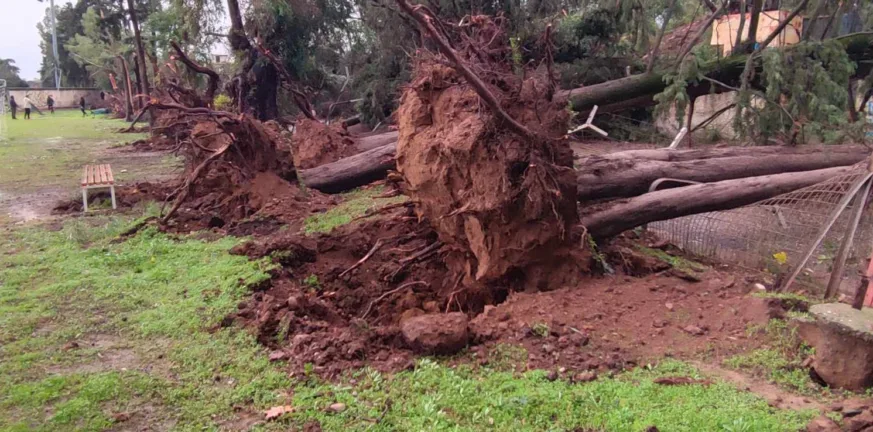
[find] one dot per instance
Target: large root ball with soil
(500, 203)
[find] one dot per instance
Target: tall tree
(140, 49)
(9, 72)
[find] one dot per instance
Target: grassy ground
(100, 334)
(93, 332)
(43, 157)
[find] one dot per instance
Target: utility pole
(55, 46)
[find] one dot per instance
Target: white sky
(19, 39)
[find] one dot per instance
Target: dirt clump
(856, 416)
(315, 143)
(501, 203)
(436, 333)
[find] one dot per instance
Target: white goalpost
(4, 102)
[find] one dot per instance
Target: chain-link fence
(773, 235)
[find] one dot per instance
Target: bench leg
(85, 200)
(112, 192)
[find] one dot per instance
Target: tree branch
(212, 87)
(654, 53)
(300, 98)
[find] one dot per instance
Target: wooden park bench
(97, 177)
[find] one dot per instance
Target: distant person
(51, 104)
(102, 96)
(13, 106)
(82, 105)
(28, 105)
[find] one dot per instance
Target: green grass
(355, 204)
(678, 263)
(158, 300)
(435, 397)
(55, 146)
(780, 361)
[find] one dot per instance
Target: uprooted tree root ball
(502, 203)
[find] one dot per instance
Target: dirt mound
(316, 143)
(318, 311)
(260, 205)
(503, 204)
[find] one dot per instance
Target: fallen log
(379, 140)
(604, 178)
(617, 175)
(667, 155)
(688, 200)
(615, 95)
(351, 172)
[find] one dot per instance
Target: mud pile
(503, 205)
(316, 143)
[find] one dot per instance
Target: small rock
(70, 345)
(859, 422)
(278, 355)
(694, 330)
(436, 333)
(760, 287)
(659, 323)
(336, 408)
(822, 424)
(433, 307)
(120, 417)
(562, 370)
(669, 306)
(410, 313)
(584, 377)
(548, 348)
(553, 375)
(301, 339)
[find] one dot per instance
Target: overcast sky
(19, 39)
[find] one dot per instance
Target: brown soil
(500, 203)
(310, 314)
(316, 143)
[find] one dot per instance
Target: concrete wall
(704, 107)
(724, 30)
(65, 98)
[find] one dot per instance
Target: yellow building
(724, 30)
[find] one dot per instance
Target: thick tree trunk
(140, 50)
(373, 141)
(615, 95)
(611, 178)
(621, 174)
(688, 200)
(350, 172)
(712, 153)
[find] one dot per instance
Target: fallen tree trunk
(351, 172)
(604, 178)
(667, 155)
(620, 174)
(379, 140)
(614, 95)
(688, 200)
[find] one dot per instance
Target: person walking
(13, 106)
(28, 105)
(82, 105)
(51, 104)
